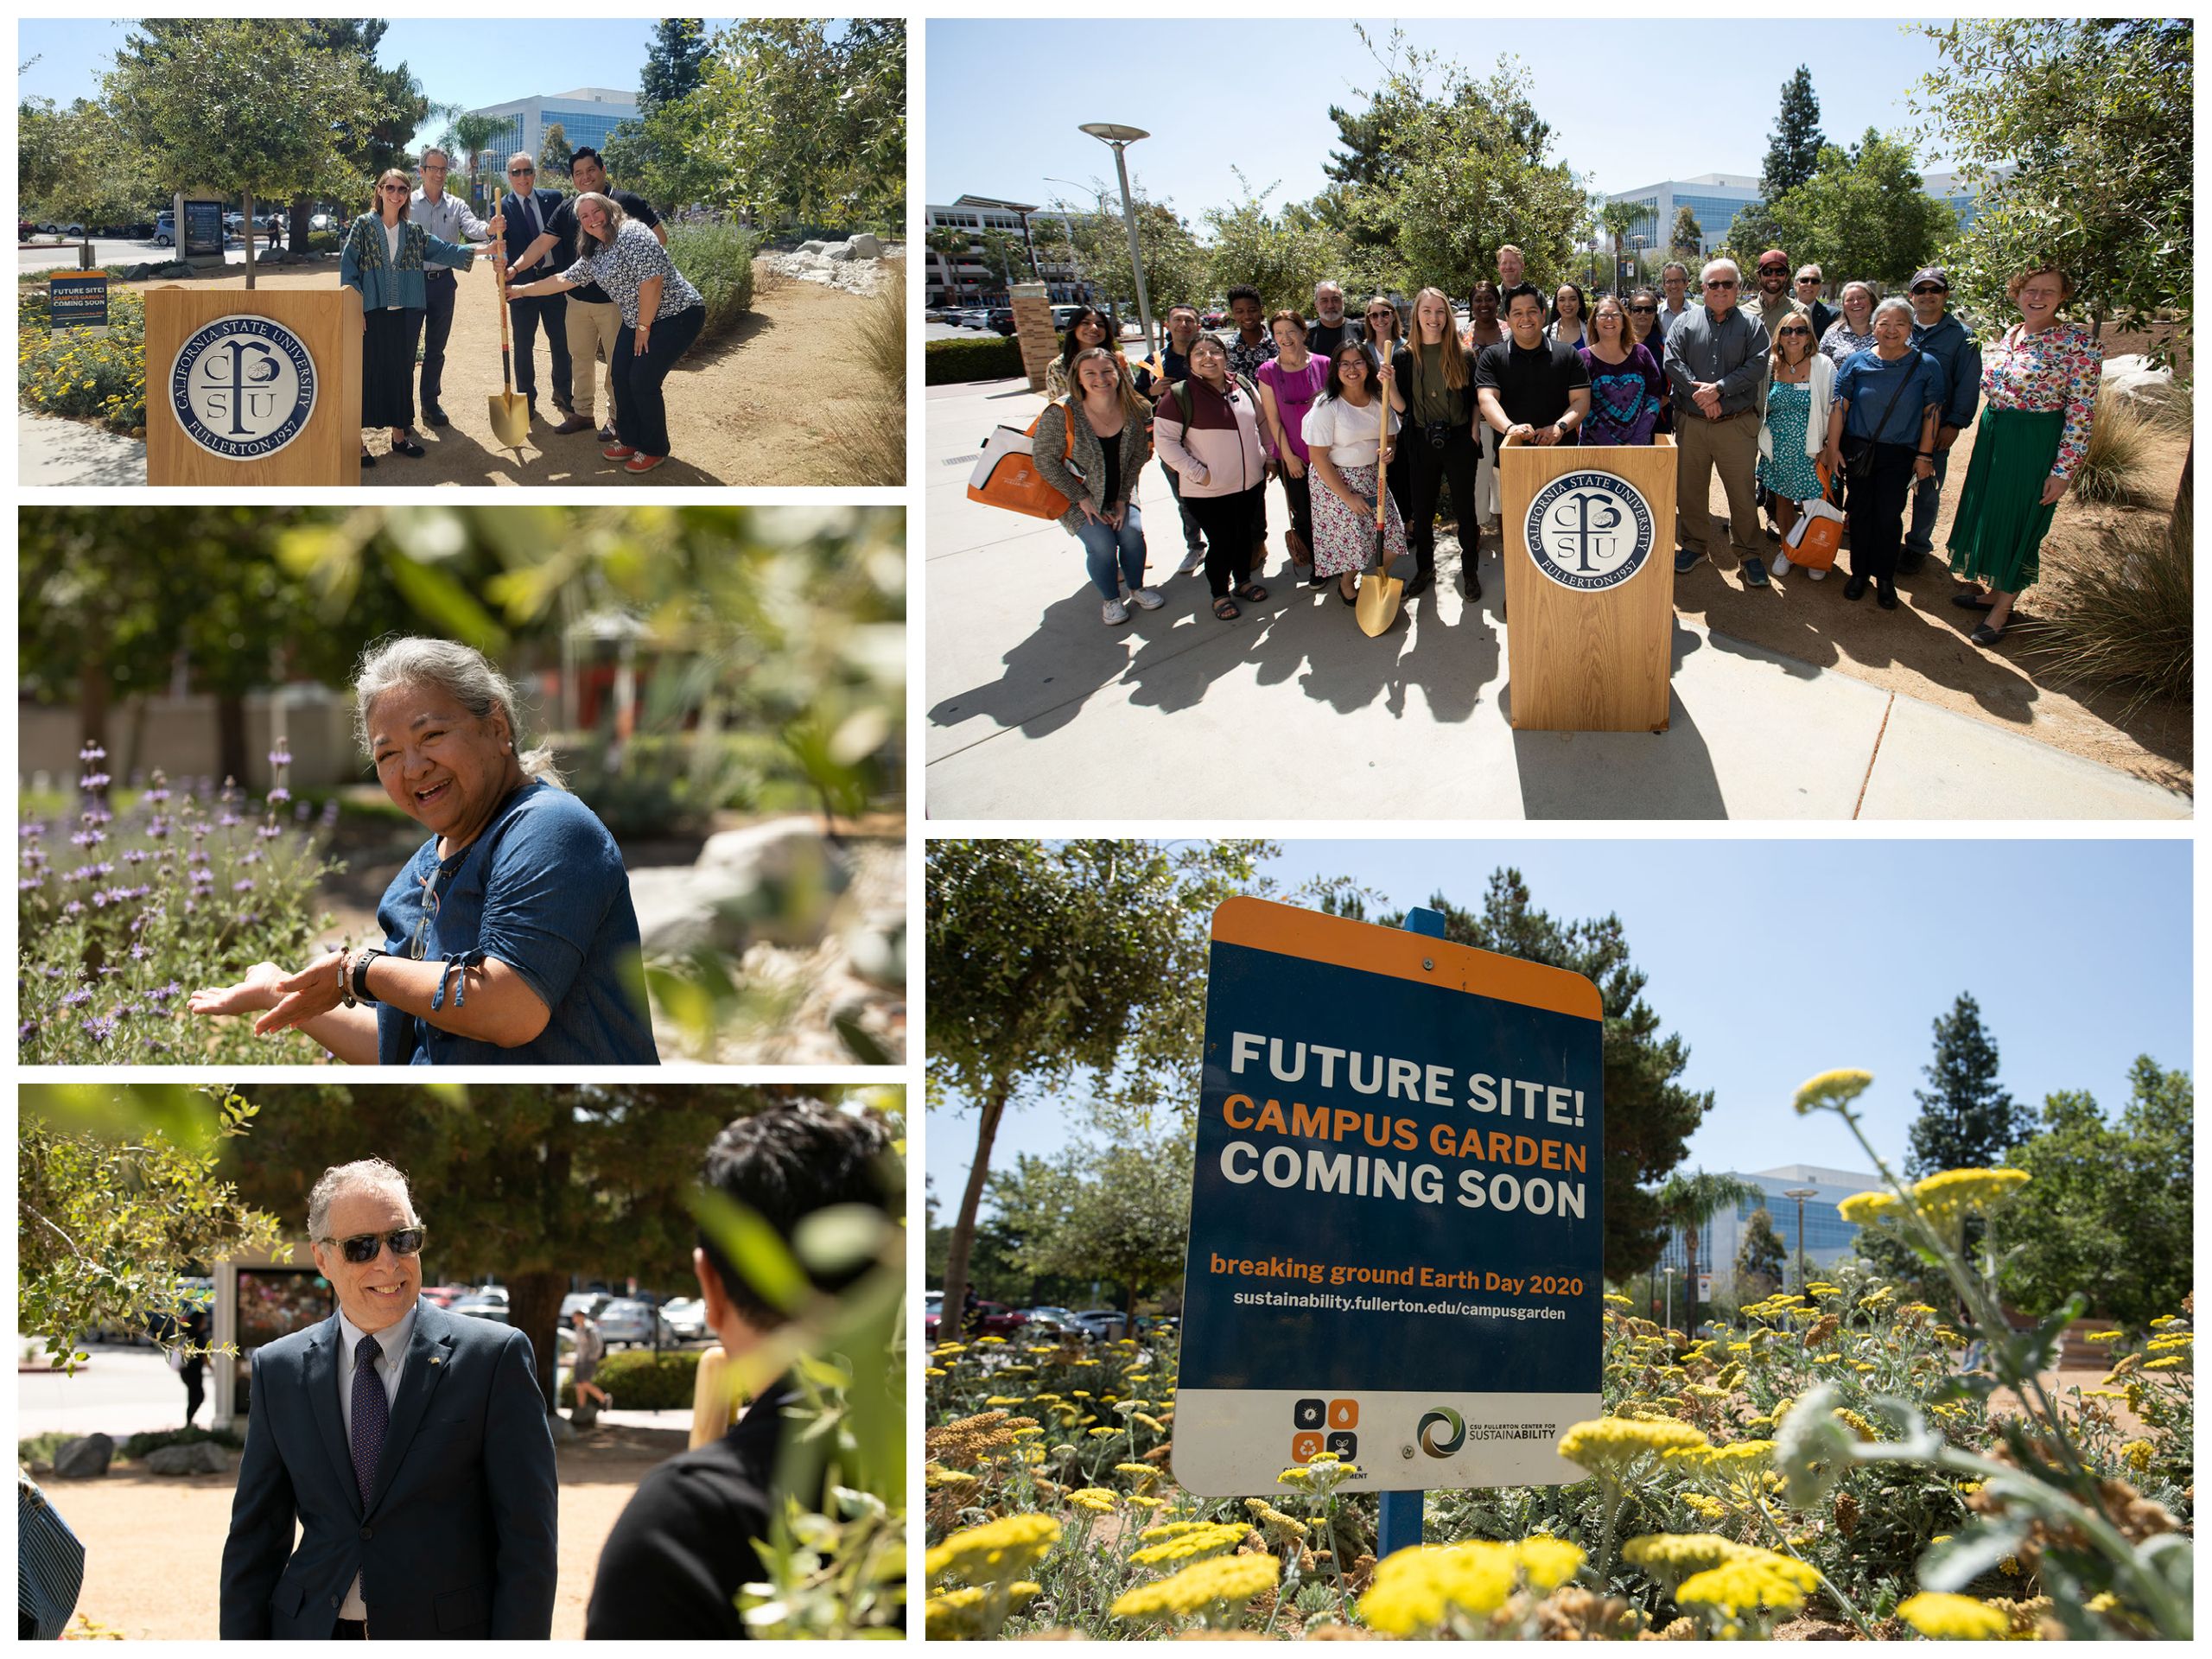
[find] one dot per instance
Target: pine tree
(1688, 240)
(1762, 1263)
(1968, 1119)
(675, 63)
(1794, 154)
(555, 154)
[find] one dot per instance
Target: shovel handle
(506, 349)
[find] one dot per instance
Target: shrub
(717, 260)
(141, 1445)
(873, 434)
(2125, 617)
(953, 362)
(2124, 438)
(79, 375)
(641, 1380)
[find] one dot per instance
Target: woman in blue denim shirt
(509, 937)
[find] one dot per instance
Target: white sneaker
(1147, 599)
(1113, 611)
(1781, 565)
(1817, 575)
(1192, 562)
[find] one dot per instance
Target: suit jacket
(455, 1538)
(519, 235)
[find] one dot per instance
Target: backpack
(1181, 390)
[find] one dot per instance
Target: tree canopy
(1120, 1212)
(1793, 153)
(1761, 1263)
(1282, 254)
(1968, 1119)
(1864, 214)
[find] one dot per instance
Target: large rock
(772, 882)
(2131, 378)
(865, 246)
(811, 247)
(560, 1428)
(838, 253)
(194, 1458)
(82, 1459)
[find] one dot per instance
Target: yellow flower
(1832, 1090)
(997, 1551)
(1616, 1298)
(1747, 1583)
(1096, 1499)
(1957, 1618)
(1148, 1502)
(1001, 1341)
(1955, 1191)
(1678, 1554)
(2170, 1363)
(1143, 1473)
(1610, 1446)
(1223, 1582)
(1109, 1433)
(2137, 1455)
(2163, 1321)
(1415, 1591)
(1866, 1209)
(1172, 1529)
(2113, 1335)
(1706, 1508)
(1207, 1538)
(2172, 1343)
(1274, 1522)
(936, 1476)
(939, 1370)
(956, 1613)
(1015, 1398)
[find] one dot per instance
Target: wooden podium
(1590, 610)
(246, 389)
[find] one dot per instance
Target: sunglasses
(1919, 292)
(1722, 281)
(1774, 270)
(1644, 310)
(363, 1248)
(1809, 282)
(1805, 333)
(521, 172)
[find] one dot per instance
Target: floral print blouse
(2059, 368)
(636, 254)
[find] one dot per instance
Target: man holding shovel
(528, 211)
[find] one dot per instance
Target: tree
(1968, 1119)
(1175, 265)
(398, 105)
(1003, 254)
(1690, 1202)
(1762, 1263)
(1617, 219)
(1864, 211)
(554, 154)
(466, 139)
(2108, 1208)
(949, 243)
(1043, 960)
(1687, 241)
(1793, 154)
(1121, 1213)
(79, 164)
(1648, 1117)
(675, 63)
(1283, 255)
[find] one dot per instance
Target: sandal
(1973, 600)
(1253, 591)
(1352, 598)
(1985, 636)
(1226, 608)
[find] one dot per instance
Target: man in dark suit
(410, 1447)
(528, 211)
(682, 1550)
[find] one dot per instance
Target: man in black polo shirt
(1528, 387)
(593, 319)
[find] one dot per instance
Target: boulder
(560, 1428)
(2132, 378)
(194, 1458)
(838, 253)
(865, 246)
(82, 1460)
(811, 247)
(772, 882)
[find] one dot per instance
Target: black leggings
(1226, 521)
(1875, 516)
(1298, 492)
(1432, 470)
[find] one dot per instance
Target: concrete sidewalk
(1036, 710)
(51, 452)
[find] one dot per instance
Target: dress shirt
(1730, 352)
(448, 219)
(392, 1341)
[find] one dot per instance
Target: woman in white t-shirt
(1344, 433)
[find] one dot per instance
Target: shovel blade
(510, 412)
(1377, 607)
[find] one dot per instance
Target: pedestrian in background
(591, 1347)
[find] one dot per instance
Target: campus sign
(243, 387)
(77, 302)
(201, 232)
(1396, 1210)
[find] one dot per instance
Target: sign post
(77, 302)
(1396, 1213)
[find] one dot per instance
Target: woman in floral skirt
(1342, 433)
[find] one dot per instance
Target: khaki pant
(591, 326)
(1734, 447)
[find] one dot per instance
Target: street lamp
(1067, 231)
(1802, 1193)
(1118, 139)
(1669, 1271)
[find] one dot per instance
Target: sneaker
(1686, 559)
(1147, 599)
(1818, 575)
(1194, 561)
(618, 452)
(1754, 571)
(643, 463)
(1782, 564)
(1113, 611)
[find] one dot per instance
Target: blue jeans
(1101, 541)
(1926, 495)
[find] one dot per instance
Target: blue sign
(78, 301)
(243, 387)
(1590, 530)
(1397, 1215)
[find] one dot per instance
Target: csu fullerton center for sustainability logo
(1590, 532)
(243, 387)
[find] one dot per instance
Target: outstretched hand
(255, 992)
(300, 997)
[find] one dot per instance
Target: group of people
(593, 270)
(1367, 421)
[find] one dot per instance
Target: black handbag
(1859, 463)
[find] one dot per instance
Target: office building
(963, 279)
(586, 116)
(1828, 1236)
(1715, 198)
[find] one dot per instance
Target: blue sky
(474, 62)
(1777, 960)
(1684, 96)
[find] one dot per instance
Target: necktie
(537, 225)
(371, 1412)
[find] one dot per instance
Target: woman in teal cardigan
(384, 258)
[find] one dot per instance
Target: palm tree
(467, 134)
(1619, 219)
(949, 243)
(1689, 1202)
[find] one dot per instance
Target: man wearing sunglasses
(1770, 302)
(528, 212)
(408, 1445)
(1810, 281)
(1937, 331)
(1716, 365)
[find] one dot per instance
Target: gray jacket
(1058, 461)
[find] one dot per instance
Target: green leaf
(752, 1248)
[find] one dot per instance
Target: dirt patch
(1921, 649)
(154, 1544)
(758, 406)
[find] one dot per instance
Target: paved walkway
(52, 453)
(1036, 710)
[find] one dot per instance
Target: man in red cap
(1771, 302)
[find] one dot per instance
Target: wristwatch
(362, 960)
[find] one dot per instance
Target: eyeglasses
(521, 172)
(1786, 333)
(1809, 282)
(1380, 311)
(415, 945)
(394, 189)
(364, 1248)
(434, 166)
(1644, 310)
(1917, 292)
(1722, 281)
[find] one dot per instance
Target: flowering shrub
(74, 374)
(179, 893)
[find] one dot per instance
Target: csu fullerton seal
(243, 387)
(1589, 531)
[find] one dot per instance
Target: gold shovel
(509, 408)
(1377, 607)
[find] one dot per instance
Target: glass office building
(588, 115)
(1828, 1235)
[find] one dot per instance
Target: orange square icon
(1343, 1414)
(1303, 1448)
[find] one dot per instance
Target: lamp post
(1067, 231)
(1802, 1193)
(1670, 1296)
(1118, 139)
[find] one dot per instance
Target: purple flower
(279, 795)
(244, 884)
(77, 999)
(202, 878)
(29, 883)
(281, 754)
(91, 752)
(167, 991)
(73, 908)
(231, 820)
(139, 855)
(268, 831)
(139, 952)
(86, 838)
(155, 1045)
(99, 1030)
(302, 810)
(28, 1029)
(30, 829)
(93, 780)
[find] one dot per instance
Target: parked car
(993, 1319)
(1049, 1324)
(447, 1295)
(589, 1301)
(322, 222)
(1001, 320)
(165, 230)
(686, 1319)
(1217, 319)
(976, 317)
(25, 230)
(632, 1323)
(1107, 1324)
(482, 1307)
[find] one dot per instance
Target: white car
(686, 1319)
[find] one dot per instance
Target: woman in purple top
(1288, 386)
(1624, 383)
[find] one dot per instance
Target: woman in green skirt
(2039, 391)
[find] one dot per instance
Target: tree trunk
(230, 738)
(249, 241)
(534, 1307)
(964, 1229)
(95, 692)
(1689, 1282)
(302, 210)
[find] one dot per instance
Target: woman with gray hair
(662, 315)
(1882, 436)
(509, 937)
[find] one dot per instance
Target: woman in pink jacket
(1207, 428)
